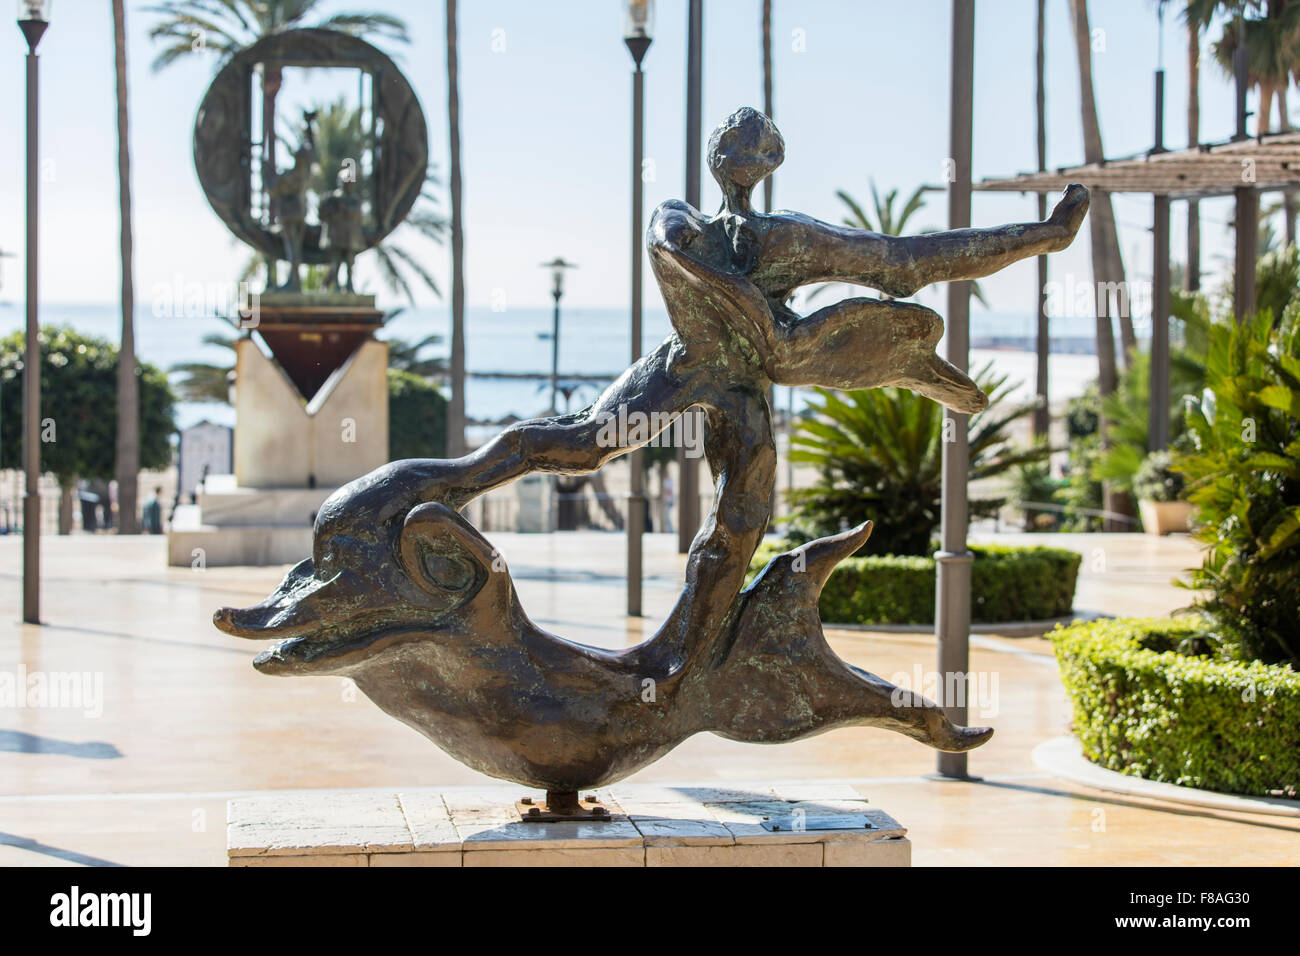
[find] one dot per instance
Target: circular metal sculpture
(408, 599)
(223, 142)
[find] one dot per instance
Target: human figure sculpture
(341, 233)
(289, 190)
(404, 596)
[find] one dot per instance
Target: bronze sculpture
(288, 192)
(224, 138)
(341, 229)
(407, 598)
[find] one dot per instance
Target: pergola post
(1158, 381)
(953, 561)
(1247, 227)
(1158, 407)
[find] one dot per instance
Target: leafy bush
(79, 392)
(1007, 584)
(879, 453)
(1033, 484)
(1146, 703)
(417, 417)
(1243, 475)
(1127, 413)
(1155, 480)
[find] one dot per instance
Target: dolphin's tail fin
(775, 677)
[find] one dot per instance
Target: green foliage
(405, 355)
(1033, 484)
(1007, 584)
(1277, 276)
(1156, 480)
(417, 417)
(227, 26)
(1147, 703)
(203, 381)
(1127, 410)
(79, 392)
(880, 452)
(1242, 468)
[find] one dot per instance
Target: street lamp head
(33, 18)
(638, 27)
(557, 267)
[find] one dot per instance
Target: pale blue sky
(546, 131)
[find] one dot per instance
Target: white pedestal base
(651, 826)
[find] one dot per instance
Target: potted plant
(1157, 488)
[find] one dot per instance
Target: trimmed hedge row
(1007, 584)
(1143, 708)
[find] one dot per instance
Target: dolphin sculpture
(423, 616)
(405, 597)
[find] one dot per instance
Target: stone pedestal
(536, 496)
(794, 825)
(308, 420)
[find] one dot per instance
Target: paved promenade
(184, 721)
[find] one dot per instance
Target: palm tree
(768, 106)
(1194, 27)
(405, 357)
(224, 27)
(1107, 263)
(128, 386)
(1272, 38)
(456, 407)
(203, 381)
(1042, 337)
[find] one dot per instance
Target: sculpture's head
(744, 149)
(381, 572)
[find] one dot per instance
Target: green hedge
(1007, 584)
(1144, 708)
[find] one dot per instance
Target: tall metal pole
(1158, 423)
(32, 349)
(1158, 404)
(1247, 214)
(953, 561)
(1043, 414)
(636, 503)
(456, 404)
(555, 349)
(688, 512)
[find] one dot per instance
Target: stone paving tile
(428, 821)
(303, 824)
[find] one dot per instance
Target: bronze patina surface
(405, 597)
(223, 147)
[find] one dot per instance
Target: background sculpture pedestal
(651, 826)
(308, 419)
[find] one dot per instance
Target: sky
(861, 95)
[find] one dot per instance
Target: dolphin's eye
(447, 573)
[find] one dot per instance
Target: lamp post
(557, 267)
(688, 472)
(953, 560)
(33, 19)
(636, 34)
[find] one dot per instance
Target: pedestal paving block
(651, 826)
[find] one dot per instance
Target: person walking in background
(152, 515)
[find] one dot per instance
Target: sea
(593, 342)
